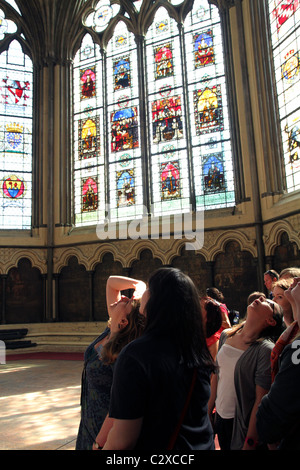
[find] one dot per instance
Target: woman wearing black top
(153, 374)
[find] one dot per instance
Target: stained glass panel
(203, 49)
(210, 132)
(122, 73)
(125, 162)
(169, 168)
(125, 187)
(285, 29)
(15, 138)
(87, 83)
(89, 137)
(213, 173)
(208, 110)
(89, 194)
(89, 183)
(163, 56)
(167, 119)
(126, 193)
(124, 129)
(170, 180)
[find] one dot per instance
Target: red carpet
(56, 356)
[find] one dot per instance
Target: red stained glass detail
(166, 118)
(15, 91)
(13, 187)
(284, 10)
(163, 61)
(170, 179)
(88, 83)
(89, 194)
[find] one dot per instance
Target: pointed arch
(273, 238)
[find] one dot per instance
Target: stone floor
(39, 403)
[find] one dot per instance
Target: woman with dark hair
(125, 324)
(230, 316)
(216, 320)
(153, 374)
(244, 374)
(212, 315)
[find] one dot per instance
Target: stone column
(91, 296)
(3, 278)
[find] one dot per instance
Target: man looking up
(270, 276)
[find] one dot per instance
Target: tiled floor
(40, 404)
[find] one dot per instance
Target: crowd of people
(178, 370)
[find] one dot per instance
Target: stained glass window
(89, 183)
(208, 107)
(123, 115)
(168, 141)
(178, 141)
(15, 138)
(285, 38)
(125, 171)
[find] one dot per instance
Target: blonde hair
(283, 283)
(290, 273)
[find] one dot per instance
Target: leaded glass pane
(138, 4)
(101, 17)
(169, 168)
(285, 28)
(6, 26)
(14, 5)
(209, 118)
(89, 183)
(15, 138)
(125, 165)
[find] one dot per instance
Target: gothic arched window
(151, 124)
(16, 79)
(89, 184)
(208, 109)
(123, 118)
(285, 29)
